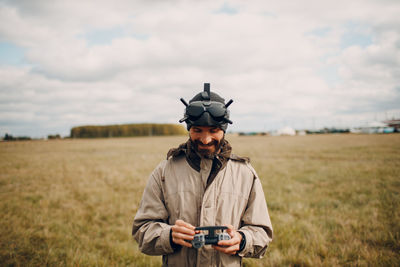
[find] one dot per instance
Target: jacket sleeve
(256, 224)
(150, 228)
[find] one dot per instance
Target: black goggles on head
(216, 109)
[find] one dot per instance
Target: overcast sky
(305, 64)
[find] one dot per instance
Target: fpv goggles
(206, 112)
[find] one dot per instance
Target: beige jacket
(176, 191)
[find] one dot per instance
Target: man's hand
(181, 232)
(230, 246)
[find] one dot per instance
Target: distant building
(286, 131)
(374, 127)
(394, 123)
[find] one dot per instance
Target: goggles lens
(215, 109)
(195, 109)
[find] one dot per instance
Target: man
(203, 184)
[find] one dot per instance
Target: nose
(206, 138)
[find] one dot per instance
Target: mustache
(212, 143)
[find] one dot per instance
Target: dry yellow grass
(334, 200)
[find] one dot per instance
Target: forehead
(205, 128)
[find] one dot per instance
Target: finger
(235, 239)
(230, 227)
(182, 242)
(228, 243)
(227, 250)
(177, 235)
(182, 229)
(231, 230)
(185, 224)
(231, 249)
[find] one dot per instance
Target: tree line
(9, 137)
(125, 130)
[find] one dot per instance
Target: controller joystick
(211, 238)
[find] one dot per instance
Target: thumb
(230, 230)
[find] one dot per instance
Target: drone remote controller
(211, 238)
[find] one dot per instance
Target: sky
(306, 64)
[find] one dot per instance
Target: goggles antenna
(184, 102)
(183, 119)
(229, 103)
(206, 94)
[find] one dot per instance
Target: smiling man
(201, 183)
(206, 139)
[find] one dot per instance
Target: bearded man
(201, 183)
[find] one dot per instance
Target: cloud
(314, 63)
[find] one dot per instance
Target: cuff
(174, 246)
(165, 239)
(242, 242)
(247, 244)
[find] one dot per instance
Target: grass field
(334, 200)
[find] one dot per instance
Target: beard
(211, 150)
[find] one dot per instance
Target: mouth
(206, 147)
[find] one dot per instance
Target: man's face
(207, 139)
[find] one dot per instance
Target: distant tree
(125, 130)
(8, 137)
(22, 138)
(55, 136)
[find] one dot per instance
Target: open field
(334, 200)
